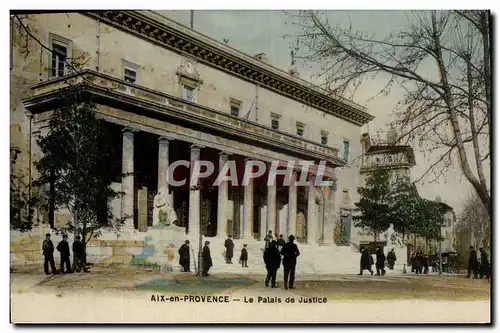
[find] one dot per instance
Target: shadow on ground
(196, 285)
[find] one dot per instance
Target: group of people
(277, 252)
(475, 266)
(63, 248)
(229, 245)
(366, 261)
(419, 263)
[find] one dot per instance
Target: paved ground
(117, 295)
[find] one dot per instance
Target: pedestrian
(484, 268)
(380, 263)
(79, 256)
(425, 263)
(281, 242)
(206, 259)
(391, 259)
(272, 259)
(48, 253)
(63, 248)
(244, 256)
(229, 245)
(472, 265)
(268, 239)
(415, 263)
(365, 262)
(184, 257)
(290, 252)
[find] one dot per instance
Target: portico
(175, 124)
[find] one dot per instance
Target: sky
(256, 31)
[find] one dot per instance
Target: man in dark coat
(380, 263)
(229, 245)
(184, 257)
(473, 265)
(281, 242)
(63, 248)
(365, 262)
(244, 256)
(391, 258)
(48, 253)
(79, 256)
(484, 268)
(272, 259)
(206, 259)
(290, 252)
(268, 239)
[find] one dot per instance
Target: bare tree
(475, 223)
(448, 112)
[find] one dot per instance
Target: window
(130, 75)
(324, 137)
(59, 56)
(300, 128)
(345, 195)
(346, 144)
(275, 121)
(188, 93)
(130, 71)
(389, 159)
(235, 111)
(235, 107)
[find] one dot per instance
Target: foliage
(75, 161)
(373, 211)
(448, 110)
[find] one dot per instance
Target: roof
(176, 37)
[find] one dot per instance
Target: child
(244, 256)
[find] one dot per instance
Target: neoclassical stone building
(169, 93)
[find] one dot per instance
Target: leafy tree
(448, 111)
(75, 162)
(431, 220)
(406, 208)
(373, 211)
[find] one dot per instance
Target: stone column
(247, 232)
(312, 218)
(194, 196)
(222, 200)
(163, 163)
(331, 215)
(271, 209)
(127, 206)
(292, 206)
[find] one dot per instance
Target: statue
(392, 237)
(163, 212)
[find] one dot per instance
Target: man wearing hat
(48, 253)
(206, 259)
(63, 248)
(290, 252)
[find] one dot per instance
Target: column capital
(129, 130)
(225, 153)
(196, 146)
(164, 139)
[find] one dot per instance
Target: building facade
(169, 93)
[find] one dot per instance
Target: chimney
(261, 57)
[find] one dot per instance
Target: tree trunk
(448, 98)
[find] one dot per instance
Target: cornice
(178, 38)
